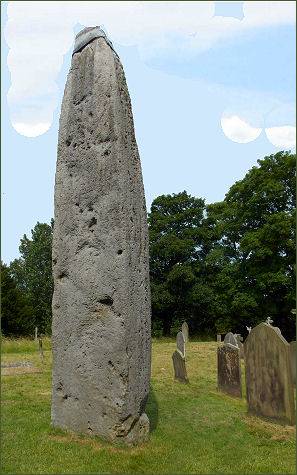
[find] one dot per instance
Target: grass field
(194, 428)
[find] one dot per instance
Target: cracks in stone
(63, 275)
(92, 222)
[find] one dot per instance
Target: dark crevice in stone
(92, 222)
(62, 275)
(106, 300)
(120, 252)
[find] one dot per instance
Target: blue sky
(210, 93)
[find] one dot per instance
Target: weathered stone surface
(230, 338)
(219, 338)
(268, 374)
(180, 344)
(293, 360)
(179, 365)
(101, 301)
(229, 371)
(185, 331)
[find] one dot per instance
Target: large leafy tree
(254, 252)
(175, 231)
(16, 311)
(33, 273)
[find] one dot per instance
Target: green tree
(175, 231)
(16, 311)
(33, 273)
(254, 251)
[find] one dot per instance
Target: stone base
(130, 432)
(138, 432)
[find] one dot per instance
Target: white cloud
(282, 137)
(31, 130)
(238, 130)
(40, 33)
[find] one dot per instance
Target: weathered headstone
(229, 371)
(36, 334)
(180, 344)
(239, 339)
(179, 365)
(230, 338)
(293, 360)
(185, 331)
(219, 338)
(101, 302)
(269, 383)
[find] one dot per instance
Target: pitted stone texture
(229, 371)
(180, 344)
(179, 366)
(269, 383)
(101, 302)
(185, 331)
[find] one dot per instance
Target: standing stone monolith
(101, 302)
(269, 385)
(185, 331)
(229, 371)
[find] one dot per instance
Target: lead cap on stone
(87, 35)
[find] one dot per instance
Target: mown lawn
(195, 429)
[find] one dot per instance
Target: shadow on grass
(151, 409)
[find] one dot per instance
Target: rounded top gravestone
(230, 339)
(180, 343)
(185, 331)
(269, 382)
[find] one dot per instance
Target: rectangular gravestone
(269, 384)
(180, 344)
(293, 360)
(179, 365)
(229, 371)
(219, 338)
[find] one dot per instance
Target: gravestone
(230, 338)
(101, 302)
(269, 383)
(185, 331)
(179, 365)
(219, 338)
(229, 371)
(180, 343)
(293, 360)
(239, 339)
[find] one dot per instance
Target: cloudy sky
(212, 86)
